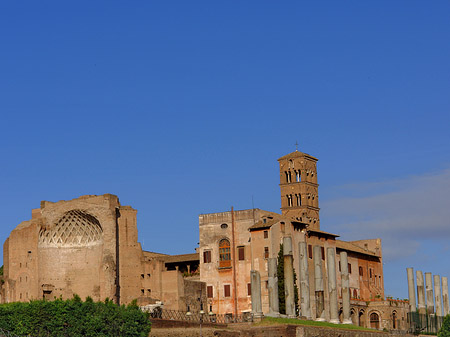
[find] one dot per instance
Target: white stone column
(429, 292)
(445, 296)
(332, 289)
(273, 288)
(305, 305)
(411, 289)
(318, 284)
(345, 289)
(420, 293)
(437, 295)
(289, 277)
(255, 280)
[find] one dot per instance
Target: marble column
(288, 277)
(420, 293)
(318, 284)
(411, 289)
(445, 296)
(332, 289)
(345, 289)
(273, 287)
(305, 305)
(255, 280)
(429, 293)
(437, 295)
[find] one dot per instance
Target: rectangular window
(241, 253)
(209, 291)
(310, 255)
(323, 253)
(339, 265)
(349, 268)
(249, 289)
(266, 234)
(370, 272)
(361, 273)
(207, 256)
(227, 290)
(266, 252)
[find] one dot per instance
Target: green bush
(74, 318)
(445, 328)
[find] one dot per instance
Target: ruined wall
(70, 247)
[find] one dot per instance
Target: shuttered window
(207, 256)
(241, 253)
(227, 290)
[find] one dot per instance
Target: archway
(374, 320)
(394, 320)
(362, 318)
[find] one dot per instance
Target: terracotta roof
(261, 224)
(182, 258)
(297, 154)
(322, 232)
(354, 248)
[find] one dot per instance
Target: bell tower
(299, 188)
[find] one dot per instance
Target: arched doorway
(394, 320)
(362, 318)
(374, 320)
(354, 317)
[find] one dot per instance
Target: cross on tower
(296, 146)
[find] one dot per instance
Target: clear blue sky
(183, 107)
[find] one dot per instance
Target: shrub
(445, 328)
(74, 318)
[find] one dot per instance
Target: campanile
(299, 188)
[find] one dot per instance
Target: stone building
(88, 246)
(234, 243)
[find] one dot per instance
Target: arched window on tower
(299, 199)
(224, 254)
(289, 198)
(289, 177)
(298, 176)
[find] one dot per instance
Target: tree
(280, 275)
(445, 329)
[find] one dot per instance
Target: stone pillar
(437, 295)
(318, 284)
(289, 277)
(420, 293)
(445, 296)
(429, 292)
(345, 289)
(411, 289)
(274, 309)
(255, 280)
(305, 306)
(332, 289)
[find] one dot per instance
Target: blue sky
(183, 107)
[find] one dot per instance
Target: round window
(224, 226)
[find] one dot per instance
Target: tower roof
(297, 154)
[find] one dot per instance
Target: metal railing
(197, 317)
(424, 323)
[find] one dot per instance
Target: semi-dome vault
(75, 228)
